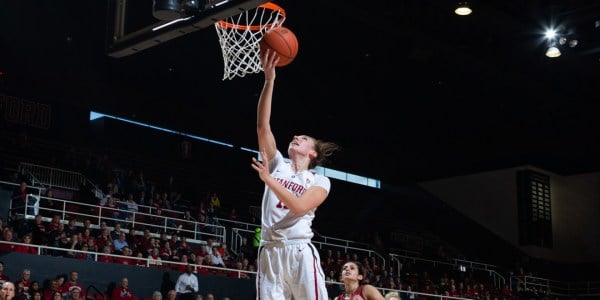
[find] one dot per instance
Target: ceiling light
(552, 52)
(573, 43)
(463, 9)
(562, 40)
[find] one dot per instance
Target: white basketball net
(239, 37)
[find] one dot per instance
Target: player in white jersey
(289, 265)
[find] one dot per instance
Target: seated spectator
(132, 207)
(111, 210)
(154, 259)
(35, 291)
(126, 257)
(64, 242)
(37, 295)
(87, 224)
(175, 242)
(72, 284)
(106, 258)
(163, 239)
(53, 225)
(225, 254)
(52, 291)
(153, 244)
(140, 261)
(72, 228)
(183, 247)
(38, 231)
(54, 235)
(75, 293)
(192, 258)
(203, 251)
(25, 248)
(116, 232)
(122, 292)
(91, 244)
(216, 259)
(238, 273)
(74, 245)
(24, 283)
(98, 231)
(7, 235)
(103, 238)
(245, 264)
(86, 234)
(84, 255)
(200, 268)
(183, 262)
(146, 240)
(166, 253)
(247, 250)
(120, 243)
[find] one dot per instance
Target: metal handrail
(97, 214)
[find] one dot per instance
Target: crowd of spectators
(127, 196)
(69, 287)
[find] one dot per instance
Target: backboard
(134, 26)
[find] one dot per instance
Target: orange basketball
(283, 41)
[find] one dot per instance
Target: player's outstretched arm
(266, 140)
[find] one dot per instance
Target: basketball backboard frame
(122, 43)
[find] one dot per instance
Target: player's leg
(269, 285)
(308, 280)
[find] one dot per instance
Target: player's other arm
(311, 198)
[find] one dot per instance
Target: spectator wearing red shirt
(25, 248)
(140, 261)
(126, 257)
(200, 269)
(53, 225)
(106, 258)
(71, 284)
(122, 292)
(8, 237)
(24, 282)
(183, 262)
(239, 271)
(52, 289)
(84, 255)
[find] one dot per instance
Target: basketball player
(352, 274)
(289, 265)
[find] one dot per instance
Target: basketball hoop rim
(268, 5)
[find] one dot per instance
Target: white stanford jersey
(278, 222)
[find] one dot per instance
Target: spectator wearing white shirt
(187, 284)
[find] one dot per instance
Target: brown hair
(324, 151)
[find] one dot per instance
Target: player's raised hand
(262, 167)
(269, 60)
